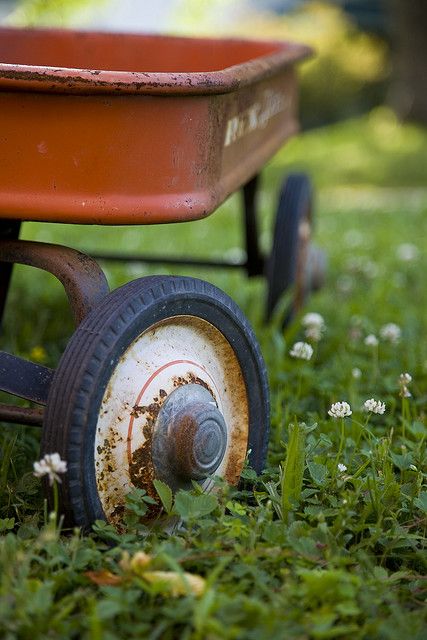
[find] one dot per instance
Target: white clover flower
(375, 406)
(301, 350)
(313, 333)
(313, 319)
(407, 252)
(340, 410)
(404, 380)
(356, 373)
(341, 467)
(391, 332)
(371, 340)
(314, 324)
(50, 465)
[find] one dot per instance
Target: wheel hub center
(190, 436)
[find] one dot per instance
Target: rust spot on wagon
(235, 462)
(191, 378)
(141, 467)
(106, 468)
(141, 470)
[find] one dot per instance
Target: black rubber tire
(92, 355)
(295, 206)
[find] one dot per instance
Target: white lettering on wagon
(256, 116)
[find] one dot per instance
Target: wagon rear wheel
(163, 380)
(293, 263)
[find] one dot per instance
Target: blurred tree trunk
(409, 85)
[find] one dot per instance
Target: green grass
(305, 550)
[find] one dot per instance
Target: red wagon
(163, 377)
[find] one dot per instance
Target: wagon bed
(134, 129)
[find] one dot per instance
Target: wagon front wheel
(164, 380)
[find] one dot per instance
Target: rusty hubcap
(136, 443)
(190, 437)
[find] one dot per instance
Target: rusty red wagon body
(96, 129)
(163, 378)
